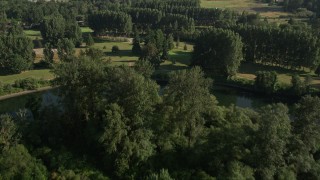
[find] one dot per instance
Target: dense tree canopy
(219, 51)
(16, 53)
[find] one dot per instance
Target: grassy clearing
(37, 74)
(246, 5)
(32, 34)
(86, 30)
(248, 71)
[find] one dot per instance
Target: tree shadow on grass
(120, 53)
(253, 68)
(181, 57)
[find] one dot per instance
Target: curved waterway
(225, 95)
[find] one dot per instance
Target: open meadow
(272, 13)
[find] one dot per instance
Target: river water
(225, 96)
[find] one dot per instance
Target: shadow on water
(16, 103)
(226, 96)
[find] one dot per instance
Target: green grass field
(37, 74)
(32, 34)
(246, 5)
(248, 71)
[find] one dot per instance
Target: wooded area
(117, 122)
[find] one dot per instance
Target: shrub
(266, 81)
(27, 84)
(185, 47)
(115, 49)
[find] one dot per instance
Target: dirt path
(25, 92)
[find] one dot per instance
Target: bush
(27, 84)
(266, 81)
(185, 47)
(115, 49)
(89, 40)
(37, 43)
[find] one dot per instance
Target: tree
(150, 53)
(115, 49)
(298, 87)
(74, 33)
(266, 81)
(89, 40)
(127, 121)
(162, 175)
(65, 49)
(272, 139)
(110, 21)
(9, 135)
(53, 29)
(219, 51)
(17, 163)
(306, 131)
(93, 53)
(144, 67)
(16, 53)
(136, 48)
(48, 54)
(187, 98)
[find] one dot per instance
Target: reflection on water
(14, 104)
(225, 96)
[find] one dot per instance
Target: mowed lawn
(37, 74)
(246, 5)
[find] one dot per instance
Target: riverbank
(8, 96)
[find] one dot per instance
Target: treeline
(285, 47)
(141, 12)
(16, 51)
(114, 123)
(293, 5)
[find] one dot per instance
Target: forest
(142, 121)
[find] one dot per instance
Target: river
(225, 96)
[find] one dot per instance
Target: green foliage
(266, 81)
(273, 134)
(186, 98)
(52, 29)
(151, 53)
(298, 87)
(16, 53)
(55, 27)
(219, 51)
(27, 83)
(65, 49)
(89, 40)
(110, 21)
(162, 175)
(93, 53)
(144, 67)
(8, 133)
(73, 32)
(17, 163)
(115, 49)
(307, 132)
(287, 46)
(136, 48)
(48, 54)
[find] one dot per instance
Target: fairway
(246, 5)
